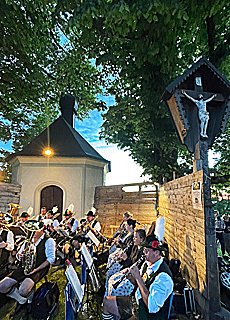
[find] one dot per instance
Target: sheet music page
(86, 255)
(93, 238)
(75, 283)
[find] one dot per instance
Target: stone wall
(185, 232)
(9, 193)
(112, 201)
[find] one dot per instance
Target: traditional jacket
(162, 314)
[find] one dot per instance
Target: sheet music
(86, 255)
(75, 283)
(93, 238)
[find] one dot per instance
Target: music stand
(74, 292)
(90, 273)
(93, 238)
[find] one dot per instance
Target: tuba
(28, 260)
(14, 208)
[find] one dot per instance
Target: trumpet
(86, 225)
(138, 264)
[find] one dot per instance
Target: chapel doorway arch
(52, 196)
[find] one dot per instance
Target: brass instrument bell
(14, 208)
(5, 218)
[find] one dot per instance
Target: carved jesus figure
(203, 113)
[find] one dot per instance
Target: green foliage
(222, 166)
(5, 168)
(139, 47)
(144, 45)
(37, 64)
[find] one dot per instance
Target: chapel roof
(63, 140)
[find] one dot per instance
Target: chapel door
(52, 196)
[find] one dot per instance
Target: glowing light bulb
(48, 152)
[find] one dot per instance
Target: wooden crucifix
(201, 98)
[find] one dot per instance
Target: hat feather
(30, 211)
(71, 207)
(93, 210)
(55, 209)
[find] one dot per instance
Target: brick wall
(184, 226)
(112, 201)
(9, 193)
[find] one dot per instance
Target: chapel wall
(112, 201)
(184, 230)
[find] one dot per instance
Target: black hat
(68, 213)
(90, 213)
(131, 222)
(152, 242)
(24, 215)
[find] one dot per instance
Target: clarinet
(117, 258)
(115, 234)
(138, 264)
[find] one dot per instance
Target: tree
(221, 168)
(144, 45)
(37, 64)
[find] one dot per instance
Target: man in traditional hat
(155, 287)
(94, 226)
(24, 216)
(44, 257)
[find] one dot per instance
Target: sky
(123, 168)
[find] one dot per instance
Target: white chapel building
(59, 167)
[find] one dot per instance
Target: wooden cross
(199, 90)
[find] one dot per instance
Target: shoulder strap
(163, 268)
(94, 223)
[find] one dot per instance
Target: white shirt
(159, 290)
(75, 225)
(49, 248)
(97, 227)
(9, 240)
(55, 223)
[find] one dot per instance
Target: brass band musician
(44, 257)
(23, 217)
(6, 242)
(82, 236)
(42, 213)
(154, 287)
